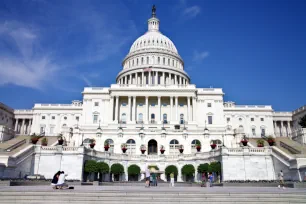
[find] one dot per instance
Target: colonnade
(153, 78)
(173, 102)
(282, 128)
(23, 126)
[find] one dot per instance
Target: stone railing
(247, 151)
(289, 148)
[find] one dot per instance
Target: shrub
(103, 167)
(202, 168)
(44, 141)
(260, 142)
(91, 166)
(171, 169)
(117, 169)
(133, 170)
(198, 143)
(215, 167)
(188, 170)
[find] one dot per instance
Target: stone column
(116, 108)
(111, 108)
(188, 109)
(174, 79)
(142, 80)
(30, 126)
(289, 128)
(156, 78)
(134, 109)
(163, 82)
(274, 126)
(22, 127)
(125, 79)
(149, 81)
(176, 108)
(193, 109)
(171, 105)
(147, 109)
(159, 109)
(130, 107)
(136, 78)
(16, 124)
(131, 80)
(282, 128)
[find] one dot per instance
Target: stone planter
(60, 142)
(198, 149)
(162, 151)
(92, 145)
(244, 142)
(181, 150)
(124, 150)
(271, 142)
(106, 148)
(260, 145)
(143, 151)
(34, 141)
(213, 146)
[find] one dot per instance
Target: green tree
(202, 168)
(188, 170)
(91, 166)
(103, 167)
(171, 169)
(117, 169)
(302, 122)
(133, 170)
(215, 167)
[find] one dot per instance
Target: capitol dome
(153, 60)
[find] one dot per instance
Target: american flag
(147, 69)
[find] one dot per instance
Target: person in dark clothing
(55, 179)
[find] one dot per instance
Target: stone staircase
(162, 195)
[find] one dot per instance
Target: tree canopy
(188, 170)
(133, 170)
(103, 167)
(117, 169)
(171, 169)
(91, 166)
(203, 168)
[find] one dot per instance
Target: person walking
(154, 179)
(147, 177)
(281, 179)
(210, 178)
(172, 179)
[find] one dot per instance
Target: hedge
(171, 169)
(103, 167)
(188, 170)
(117, 169)
(202, 168)
(133, 170)
(91, 166)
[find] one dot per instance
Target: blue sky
(254, 49)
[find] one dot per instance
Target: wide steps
(147, 196)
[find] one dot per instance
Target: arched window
(140, 117)
(174, 147)
(111, 145)
(165, 118)
(123, 118)
(194, 145)
(152, 118)
(131, 146)
(182, 119)
(86, 142)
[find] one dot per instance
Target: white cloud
(200, 56)
(191, 12)
(23, 68)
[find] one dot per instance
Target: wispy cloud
(23, 67)
(200, 56)
(191, 12)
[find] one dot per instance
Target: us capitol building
(153, 105)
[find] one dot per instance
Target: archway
(152, 147)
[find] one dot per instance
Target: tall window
(263, 132)
(142, 60)
(123, 118)
(165, 118)
(168, 62)
(158, 60)
(208, 105)
(193, 145)
(111, 145)
(174, 147)
(163, 61)
(210, 119)
(96, 103)
(182, 119)
(147, 60)
(253, 132)
(95, 119)
(152, 118)
(131, 146)
(140, 117)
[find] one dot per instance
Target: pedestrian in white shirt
(61, 180)
(148, 177)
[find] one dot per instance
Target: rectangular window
(228, 119)
(77, 118)
(252, 119)
(95, 119)
(208, 105)
(210, 119)
(261, 119)
(53, 117)
(43, 117)
(96, 103)
(253, 132)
